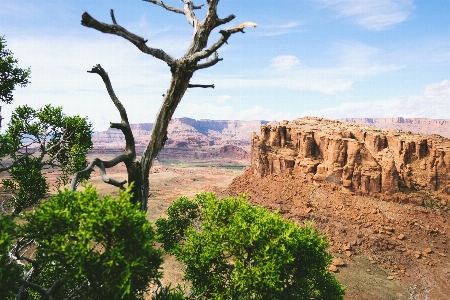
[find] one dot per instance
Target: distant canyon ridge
(415, 125)
(230, 140)
(219, 141)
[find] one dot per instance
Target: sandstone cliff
(360, 158)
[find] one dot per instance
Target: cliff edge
(361, 159)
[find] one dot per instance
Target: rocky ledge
(361, 159)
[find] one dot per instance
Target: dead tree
(182, 69)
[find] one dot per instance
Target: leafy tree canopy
(84, 247)
(233, 250)
(39, 139)
(10, 74)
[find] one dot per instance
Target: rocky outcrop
(360, 159)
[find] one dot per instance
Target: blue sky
(327, 58)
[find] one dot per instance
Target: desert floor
(366, 274)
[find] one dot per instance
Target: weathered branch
(169, 8)
(101, 165)
(224, 20)
(189, 12)
(124, 126)
(222, 40)
(88, 21)
(97, 69)
(209, 63)
(201, 86)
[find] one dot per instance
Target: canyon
(380, 195)
(189, 140)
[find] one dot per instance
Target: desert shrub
(89, 248)
(233, 250)
(9, 271)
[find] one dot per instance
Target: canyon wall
(186, 131)
(361, 159)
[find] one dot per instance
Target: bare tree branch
(88, 21)
(201, 86)
(224, 21)
(124, 125)
(101, 165)
(100, 71)
(169, 8)
(222, 40)
(189, 12)
(209, 63)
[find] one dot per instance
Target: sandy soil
(387, 247)
(363, 231)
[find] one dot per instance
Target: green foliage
(9, 271)
(29, 182)
(98, 248)
(42, 139)
(233, 250)
(169, 293)
(10, 74)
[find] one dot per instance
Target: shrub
(88, 248)
(233, 250)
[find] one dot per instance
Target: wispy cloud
(353, 62)
(279, 29)
(438, 90)
(223, 98)
(433, 103)
(373, 15)
(284, 62)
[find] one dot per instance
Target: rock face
(416, 125)
(360, 159)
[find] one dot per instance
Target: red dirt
(387, 246)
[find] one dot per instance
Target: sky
(325, 58)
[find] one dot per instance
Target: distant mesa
(361, 159)
(190, 139)
(415, 125)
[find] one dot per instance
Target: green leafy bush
(89, 248)
(233, 250)
(38, 139)
(9, 271)
(11, 74)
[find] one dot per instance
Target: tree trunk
(182, 70)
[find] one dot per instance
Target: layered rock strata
(361, 159)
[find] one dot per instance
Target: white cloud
(355, 62)
(279, 29)
(143, 22)
(433, 103)
(284, 62)
(438, 90)
(373, 15)
(223, 98)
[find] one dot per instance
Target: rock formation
(361, 159)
